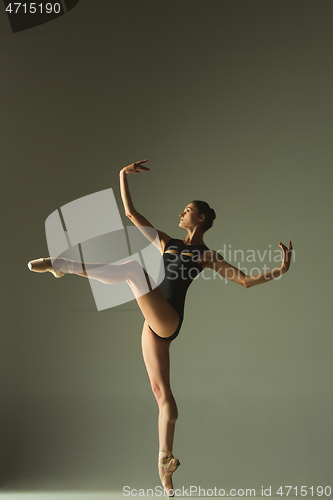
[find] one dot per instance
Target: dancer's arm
(141, 222)
(275, 273)
(215, 261)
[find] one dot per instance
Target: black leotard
(180, 270)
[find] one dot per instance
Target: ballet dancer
(163, 306)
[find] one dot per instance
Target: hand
(286, 256)
(134, 168)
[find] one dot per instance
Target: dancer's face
(189, 217)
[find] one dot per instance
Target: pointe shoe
(44, 266)
(167, 464)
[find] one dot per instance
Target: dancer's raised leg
(161, 316)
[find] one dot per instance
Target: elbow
(131, 213)
(245, 283)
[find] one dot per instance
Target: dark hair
(209, 213)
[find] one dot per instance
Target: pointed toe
(43, 266)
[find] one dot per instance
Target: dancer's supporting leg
(157, 360)
(160, 315)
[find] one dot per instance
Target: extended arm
(262, 278)
(275, 273)
(216, 262)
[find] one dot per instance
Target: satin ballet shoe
(167, 464)
(44, 266)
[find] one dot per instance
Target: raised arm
(130, 211)
(214, 260)
(141, 222)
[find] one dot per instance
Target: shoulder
(209, 258)
(165, 239)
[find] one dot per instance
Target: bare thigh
(157, 311)
(156, 355)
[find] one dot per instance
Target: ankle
(165, 454)
(63, 265)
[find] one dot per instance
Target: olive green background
(231, 102)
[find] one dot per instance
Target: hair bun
(207, 211)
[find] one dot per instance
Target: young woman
(163, 306)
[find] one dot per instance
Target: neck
(194, 238)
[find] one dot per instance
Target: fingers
(138, 165)
(137, 170)
(287, 255)
(284, 246)
(138, 162)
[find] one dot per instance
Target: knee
(134, 272)
(166, 402)
(161, 393)
(116, 273)
(132, 267)
(157, 391)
